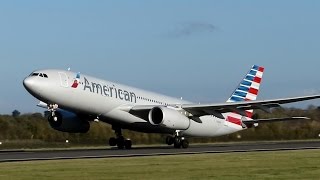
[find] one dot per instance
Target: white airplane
(75, 100)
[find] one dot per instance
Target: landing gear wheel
(177, 142)
(169, 140)
(119, 140)
(127, 144)
(184, 143)
(120, 143)
(112, 141)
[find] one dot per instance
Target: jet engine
(169, 118)
(68, 122)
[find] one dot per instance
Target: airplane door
(63, 79)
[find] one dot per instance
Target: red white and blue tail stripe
(247, 90)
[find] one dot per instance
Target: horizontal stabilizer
(273, 120)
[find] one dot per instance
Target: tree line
(35, 128)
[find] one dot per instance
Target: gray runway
(12, 156)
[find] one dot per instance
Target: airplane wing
(241, 107)
(198, 110)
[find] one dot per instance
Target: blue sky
(199, 50)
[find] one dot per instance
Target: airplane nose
(28, 83)
(33, 86)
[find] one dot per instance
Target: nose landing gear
(54, 118)
(52, 109)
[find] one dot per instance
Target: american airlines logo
(76, 81)
(106, 90)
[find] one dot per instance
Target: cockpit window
(34, 74)
(39, 74)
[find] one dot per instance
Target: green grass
(258, 165)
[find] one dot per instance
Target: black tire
(120, 143)
(177, 142)
(185, 144)
(127, 144)
(169, 140)
(112, 141)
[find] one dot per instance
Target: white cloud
(191, 28)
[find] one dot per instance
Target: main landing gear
(177, 141)
(119, 140)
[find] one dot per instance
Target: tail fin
(247, 90)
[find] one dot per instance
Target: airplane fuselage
(111, 102)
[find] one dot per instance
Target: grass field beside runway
(303, 164)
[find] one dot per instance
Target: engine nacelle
(68, 122)
(168, 118)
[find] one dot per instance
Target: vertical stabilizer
(247, 90)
